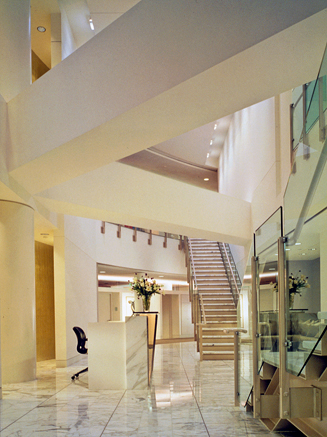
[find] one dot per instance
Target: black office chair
(81, 340)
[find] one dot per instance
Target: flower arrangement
(145, 287)
(296, 284)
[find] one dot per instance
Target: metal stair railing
(229, 262)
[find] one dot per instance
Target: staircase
(218, 308)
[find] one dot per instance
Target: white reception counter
(118, 355)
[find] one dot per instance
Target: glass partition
(305, 213)
(266, 251)
(245, 347)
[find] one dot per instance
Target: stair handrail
(233, 276)
(202, 310)
(192, 263)
(203, 315)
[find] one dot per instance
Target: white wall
(139, 255)
(15, 47)
(75, 284)
(255, 161)
(78, 246)
(68, 45)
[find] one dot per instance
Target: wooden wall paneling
(44, 302)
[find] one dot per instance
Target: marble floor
(187, 398)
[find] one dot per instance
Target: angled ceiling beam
(122, 194)
(132, 86)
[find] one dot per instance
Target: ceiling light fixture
(303, 253)
(215, 127)
(206, 179)
(208, 154)
(211, 143)
(297, 244)
(41, 29)
(91, 23)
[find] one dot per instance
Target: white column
(15, 47)
(17, 272)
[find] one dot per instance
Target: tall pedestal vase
(291, 300)
(146, 300)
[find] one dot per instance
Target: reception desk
(120, 354)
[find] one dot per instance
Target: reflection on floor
(187, 398)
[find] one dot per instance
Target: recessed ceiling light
(297, 244)
(206, 179)
(211, 142)
(91, 23)
(41, 29)
(208, 154)
(288, 249)
(215, 127)
(161, 276)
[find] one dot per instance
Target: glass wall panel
(266, 251)
(245, 347)
(305, 212)
(307, 296)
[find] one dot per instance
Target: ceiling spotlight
(297, 244)
(215, 127)
(41, 29)
(211, 143)
(208, 154)
(91, 23)
(206, 179)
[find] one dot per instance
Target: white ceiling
(226, 59)
(192, 147)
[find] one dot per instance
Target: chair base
(78, 373)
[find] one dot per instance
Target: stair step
(226, 347)
(218, 308)
(216, 297)
(217, 300)
(218, 355)
(222, 323)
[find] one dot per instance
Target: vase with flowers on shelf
(296, 284)
(145, 288)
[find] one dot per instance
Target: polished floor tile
(186, 398)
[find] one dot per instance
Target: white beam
(122, 194)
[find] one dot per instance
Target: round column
(17, 272)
